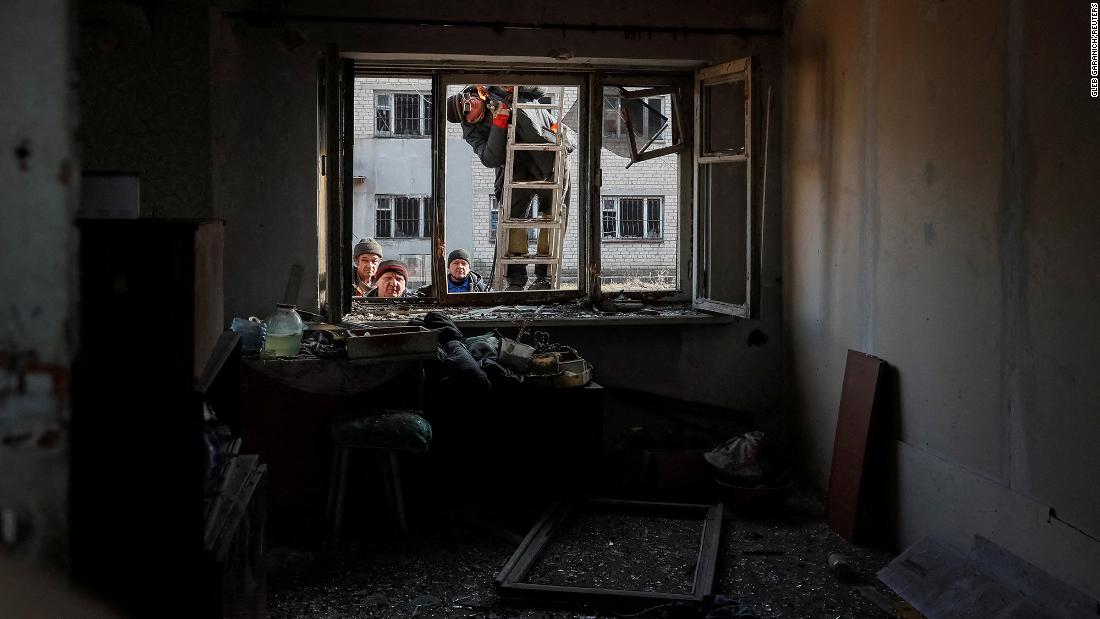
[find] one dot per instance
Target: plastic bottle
(284, 332)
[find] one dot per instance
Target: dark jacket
(477, 284)
(489, 143)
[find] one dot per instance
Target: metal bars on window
(631, 217)
(401, 217)
(402, 114)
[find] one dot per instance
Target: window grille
(406, 114)
(629, 217)
(406, 217)
(402, 217)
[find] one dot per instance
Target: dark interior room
(790, 312)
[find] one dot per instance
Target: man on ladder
(484, 113)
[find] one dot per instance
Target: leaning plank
(858, 401)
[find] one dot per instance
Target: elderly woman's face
(391, 284)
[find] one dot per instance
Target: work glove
(501, 115)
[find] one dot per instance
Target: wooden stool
(388, 432)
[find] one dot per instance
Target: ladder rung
(535, 106)
(533, 185)
(529, 223)
(528, 260)
(535, 146)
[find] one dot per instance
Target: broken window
(641, 199)
(648, 222)
(646, 116)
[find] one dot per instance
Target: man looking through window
(391, 277)
(485, 129)
(367, 255)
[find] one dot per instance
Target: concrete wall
(938, 214)
(39, 183)
(145, 101)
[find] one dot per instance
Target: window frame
(423, 224)
(621, 126)
(735, 70)
(425, 120)
(646, 205)
(590, 133)
(579, 80)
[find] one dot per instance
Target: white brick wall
(643, 259)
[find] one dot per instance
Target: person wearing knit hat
(391, 277)
(367, 256)
(459, 276)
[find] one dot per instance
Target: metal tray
(391, 341)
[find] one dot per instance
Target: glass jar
(284, 332)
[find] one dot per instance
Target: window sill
(557, 315)
(630, 240)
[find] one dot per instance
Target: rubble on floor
(775, 564)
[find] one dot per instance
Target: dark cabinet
(150, 310)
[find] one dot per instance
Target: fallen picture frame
(515, 578)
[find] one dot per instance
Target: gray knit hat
(367, 246)
(456, 254)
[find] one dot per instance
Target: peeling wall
(938, 213)
(38, 185)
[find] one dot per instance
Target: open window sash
(723, 261)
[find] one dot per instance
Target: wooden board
(858, 402)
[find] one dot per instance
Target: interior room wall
(40, 181)
(264, 115)
(938, 213)
(144, 92)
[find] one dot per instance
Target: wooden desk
(286, 407)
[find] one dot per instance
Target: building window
(402, 114)
(645, 116)
(630, 217)
(401, 217)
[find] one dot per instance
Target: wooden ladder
(559, 211)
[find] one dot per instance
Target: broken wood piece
(858, 402)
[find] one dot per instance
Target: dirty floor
(776, 564)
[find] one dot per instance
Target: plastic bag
(739, 456)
